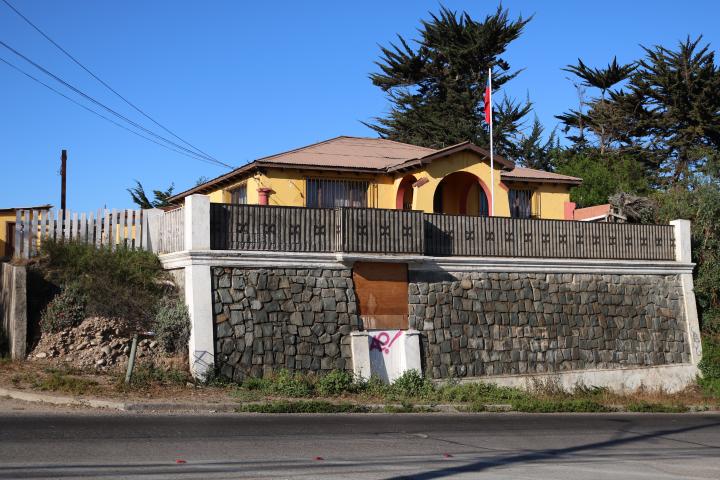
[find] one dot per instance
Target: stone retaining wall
(272, 318)
(477, 324)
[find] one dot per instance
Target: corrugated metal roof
(351, 152)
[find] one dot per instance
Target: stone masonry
(273, 318)
(478, 324)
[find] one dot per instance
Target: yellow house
(379, 173)
(8, 217)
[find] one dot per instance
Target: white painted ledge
(263, 259)
(668, 378)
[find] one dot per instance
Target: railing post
(198, 287)
(197, 222)
(683, 254)
(683, 250)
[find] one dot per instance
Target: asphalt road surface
(87, 444)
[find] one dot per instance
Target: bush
(120, 283)
(172, 325)
(335, 383)
(66, 310)
(710, 363)
(287, 384)
(412, 384)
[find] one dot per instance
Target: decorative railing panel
(359, 230)
(255, 227)
(510, 237)
(374, 230)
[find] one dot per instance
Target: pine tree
(436, 88)
(140, 198)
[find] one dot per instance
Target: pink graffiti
(383, 342)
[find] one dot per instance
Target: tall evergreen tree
(436, 87)
(667, 114)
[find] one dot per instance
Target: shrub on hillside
(65, 310)
(120, 283)
(172, 325)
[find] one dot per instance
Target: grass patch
(648, 407)
(540, 405)
(58, 381)
(302, 406)
(478, 393)
(148, 375)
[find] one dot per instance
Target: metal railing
(370, 230)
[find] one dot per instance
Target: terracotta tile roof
(532, 175)
(592, 212)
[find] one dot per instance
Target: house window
(322, 193)
(520, 203)
(239, 194)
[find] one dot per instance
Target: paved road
(86, 444)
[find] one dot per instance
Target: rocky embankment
(96, 343)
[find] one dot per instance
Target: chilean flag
(488, 104)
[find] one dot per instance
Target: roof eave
(569, 181)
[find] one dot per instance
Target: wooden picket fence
(104, 228)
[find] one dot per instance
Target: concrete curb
(60, 399)
(159, 407)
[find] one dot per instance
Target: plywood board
(382, 293)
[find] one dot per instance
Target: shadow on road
(547, 454)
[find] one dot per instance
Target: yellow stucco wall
(552, 200)
(288, 187)
(460, 162)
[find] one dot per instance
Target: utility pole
(63, 175)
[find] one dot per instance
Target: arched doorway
(461, 193)
(404, 198)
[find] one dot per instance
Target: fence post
(150, 240)
(197, 222)
(198, 287)
(683, 253)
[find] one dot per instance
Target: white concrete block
(198, 298)
(360, 350)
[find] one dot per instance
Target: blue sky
(242, 80)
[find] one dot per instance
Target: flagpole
(492, 162)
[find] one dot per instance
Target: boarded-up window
(382, 294)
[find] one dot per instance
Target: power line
(77, 62)
(105, 107)
(18, 69)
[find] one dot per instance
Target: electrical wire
(105, 84)
(105, 107)
(20, 70)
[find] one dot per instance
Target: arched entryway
(461, 193)
(404, 198)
